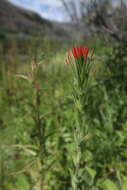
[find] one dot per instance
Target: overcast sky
(51, 9)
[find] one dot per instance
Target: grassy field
(38, 120)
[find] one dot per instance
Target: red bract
(85, 51)
(78, 51)
(69, 54)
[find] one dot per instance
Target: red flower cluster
(78, 51)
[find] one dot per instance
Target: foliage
(103, 162)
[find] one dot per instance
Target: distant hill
(14, 19)
(17, 20)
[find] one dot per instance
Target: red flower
(79, 51)
(76, 52)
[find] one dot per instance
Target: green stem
(40, 138)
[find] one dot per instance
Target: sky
(50, 9)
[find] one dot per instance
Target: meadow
(41, 147)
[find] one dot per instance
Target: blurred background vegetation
(26, 40)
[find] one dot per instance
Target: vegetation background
(37, 111)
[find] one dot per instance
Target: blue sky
(51, 9)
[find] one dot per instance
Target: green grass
(105, 114)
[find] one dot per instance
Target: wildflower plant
(39, 136)
(80, 59)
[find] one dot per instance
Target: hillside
(15, 19)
